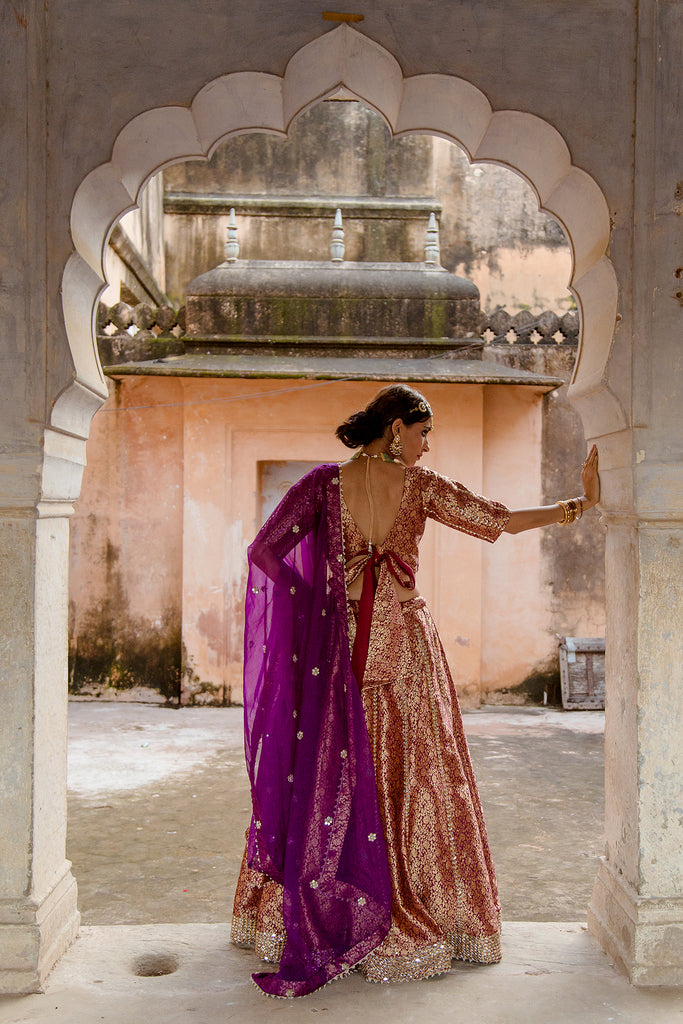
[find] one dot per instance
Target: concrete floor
(159, 802)
(551, 974)
(158, 805)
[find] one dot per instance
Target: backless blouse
(426, 495)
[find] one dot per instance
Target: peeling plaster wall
(492, 230)
(126, 566)
(144, 227)
(178, 482)
(573, 559)
(569, 561)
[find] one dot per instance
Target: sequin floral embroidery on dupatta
(308, 754)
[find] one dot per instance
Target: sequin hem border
(384, 970)
(436, 959)
(480, 949)
(268, 946)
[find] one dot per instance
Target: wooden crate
(582, 672)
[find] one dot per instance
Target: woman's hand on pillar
(590, 479)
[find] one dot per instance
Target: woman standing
(367, 845)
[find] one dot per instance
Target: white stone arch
(435, 104)
(637, 907)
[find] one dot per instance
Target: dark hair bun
(359, 429)
(397, 401)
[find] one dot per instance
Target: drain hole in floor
(155, 965)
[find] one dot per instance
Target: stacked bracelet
(572, 509)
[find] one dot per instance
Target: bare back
(385, 480)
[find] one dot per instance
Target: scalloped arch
(437, 104)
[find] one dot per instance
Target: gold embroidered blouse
(426, 495)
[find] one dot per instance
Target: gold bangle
(580, 501)
(569, 510)
(573, 510)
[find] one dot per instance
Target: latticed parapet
(137, 333)
(160, 320)
(526, 328)
(132, 333)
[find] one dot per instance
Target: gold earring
(396, 448)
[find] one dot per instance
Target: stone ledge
(368, 208)
(438, 370)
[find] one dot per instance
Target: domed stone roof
(299, 299)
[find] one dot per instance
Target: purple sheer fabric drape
(316, 825)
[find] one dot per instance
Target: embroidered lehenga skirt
(444, 896)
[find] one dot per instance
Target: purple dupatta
(316, 826)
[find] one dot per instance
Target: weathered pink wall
(171, 500)
(516, 635)
(492, 230)
(126, 541)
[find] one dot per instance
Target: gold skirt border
(424, 963)
(436, 959)
(267, 945)
(480, 949)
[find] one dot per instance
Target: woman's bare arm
(544, 515)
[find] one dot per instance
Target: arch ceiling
(434, 103)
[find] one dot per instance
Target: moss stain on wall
(114, 651)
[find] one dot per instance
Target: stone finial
(232, 246)
(432, 249)
(337, 244)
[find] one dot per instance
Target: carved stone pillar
(636, 911)
(38, 915)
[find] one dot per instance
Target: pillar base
(643, 935)
(34, 934)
